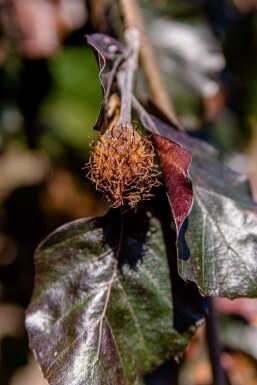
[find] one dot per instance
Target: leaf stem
(218, 373)
(133, 18)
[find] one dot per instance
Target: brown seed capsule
(121, 165)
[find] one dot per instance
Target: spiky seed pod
(121, 165)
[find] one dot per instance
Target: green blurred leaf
(73, 104)
(102, 310)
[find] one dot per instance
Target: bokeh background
(49, 100)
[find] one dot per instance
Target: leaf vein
(114, 274)
(117, 348)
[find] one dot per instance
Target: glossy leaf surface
(102, 310)
(218, 244)
(174, 162)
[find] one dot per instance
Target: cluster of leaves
(116, 296)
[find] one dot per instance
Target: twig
(133, 18)
(126, 74)
(252, 154)
(214, 346)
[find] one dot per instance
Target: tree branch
(133, 18)
(212, 337)
(126, 74)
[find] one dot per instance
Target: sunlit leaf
(102, 310)
(219, 247)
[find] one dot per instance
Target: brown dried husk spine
(121, 165)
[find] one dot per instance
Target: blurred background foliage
(49, 100)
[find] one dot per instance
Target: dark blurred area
(49, 100)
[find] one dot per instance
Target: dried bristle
(121, 165)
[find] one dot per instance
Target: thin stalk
(133, 18)
(126, 74)
(212, 337)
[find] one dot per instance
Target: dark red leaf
(175, 161)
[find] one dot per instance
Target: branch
(214, 346)
(133, 18)
(126, 74)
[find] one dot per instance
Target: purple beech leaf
(101, 312)
(110, 54)
(108, 51)
(218, 242)
(175, 161)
